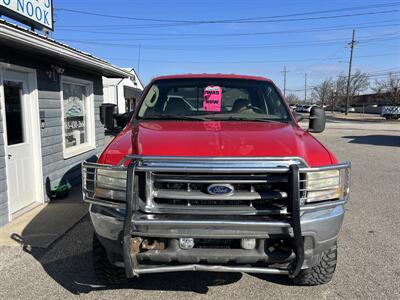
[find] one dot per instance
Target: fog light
(248, 244)
(186, 243)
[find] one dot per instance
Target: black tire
(322, 272)
(106, 273)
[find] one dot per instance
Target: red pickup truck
(213, 173)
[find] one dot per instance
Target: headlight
(327, 185)
(110, 184)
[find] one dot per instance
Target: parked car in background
(305, 108)
(390, 112)
(349, 110)
(213, 173)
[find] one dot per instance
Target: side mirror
(123, 119)
(298, 117)
(317, 119)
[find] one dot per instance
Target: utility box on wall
(107, 115)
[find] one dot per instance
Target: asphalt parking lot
(369, 259)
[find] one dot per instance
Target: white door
(20, 164)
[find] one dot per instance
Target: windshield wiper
(172, 117)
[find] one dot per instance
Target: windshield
(215, 99)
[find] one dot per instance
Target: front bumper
(319, 231)
(311, 230)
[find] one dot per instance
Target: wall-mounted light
(55, 72)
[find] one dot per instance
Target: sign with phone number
(35, 13)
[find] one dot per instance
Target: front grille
(178, 185)
(253, 193)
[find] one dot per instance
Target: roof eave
(49, 47)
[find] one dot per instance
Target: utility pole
(305, 88)
(352, 44)
(284, 80)
(334, 100)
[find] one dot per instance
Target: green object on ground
(60, 191)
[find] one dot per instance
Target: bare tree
(293, 99)
(389, 88)
(323, 92)
(358, 83)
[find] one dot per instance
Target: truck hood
(216, 138)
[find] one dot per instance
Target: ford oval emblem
(220, 189)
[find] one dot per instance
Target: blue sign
(35, 13)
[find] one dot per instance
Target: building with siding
(371, 99)
(123, 92)
(50, 96)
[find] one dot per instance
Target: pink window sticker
(212, 98)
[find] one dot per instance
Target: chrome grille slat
(195, 195)
(199, 178)
(211, 181)
(216, 210)
(198, 169)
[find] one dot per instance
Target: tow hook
(156, 245)
(139, 244)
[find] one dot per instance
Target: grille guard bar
(291, 165)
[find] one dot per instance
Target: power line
(372, 40)
(124, 26)
(242, 62)
(309, 88)
(224, 47)
(341, 9)
(209, 35)
(82, 12)
(384, 70)
(330, 57)
(245, 20)
(383, 74)
(116, 27)
(368, 38)
(375, 75)
(324, 17)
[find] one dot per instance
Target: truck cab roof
(216, 76)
